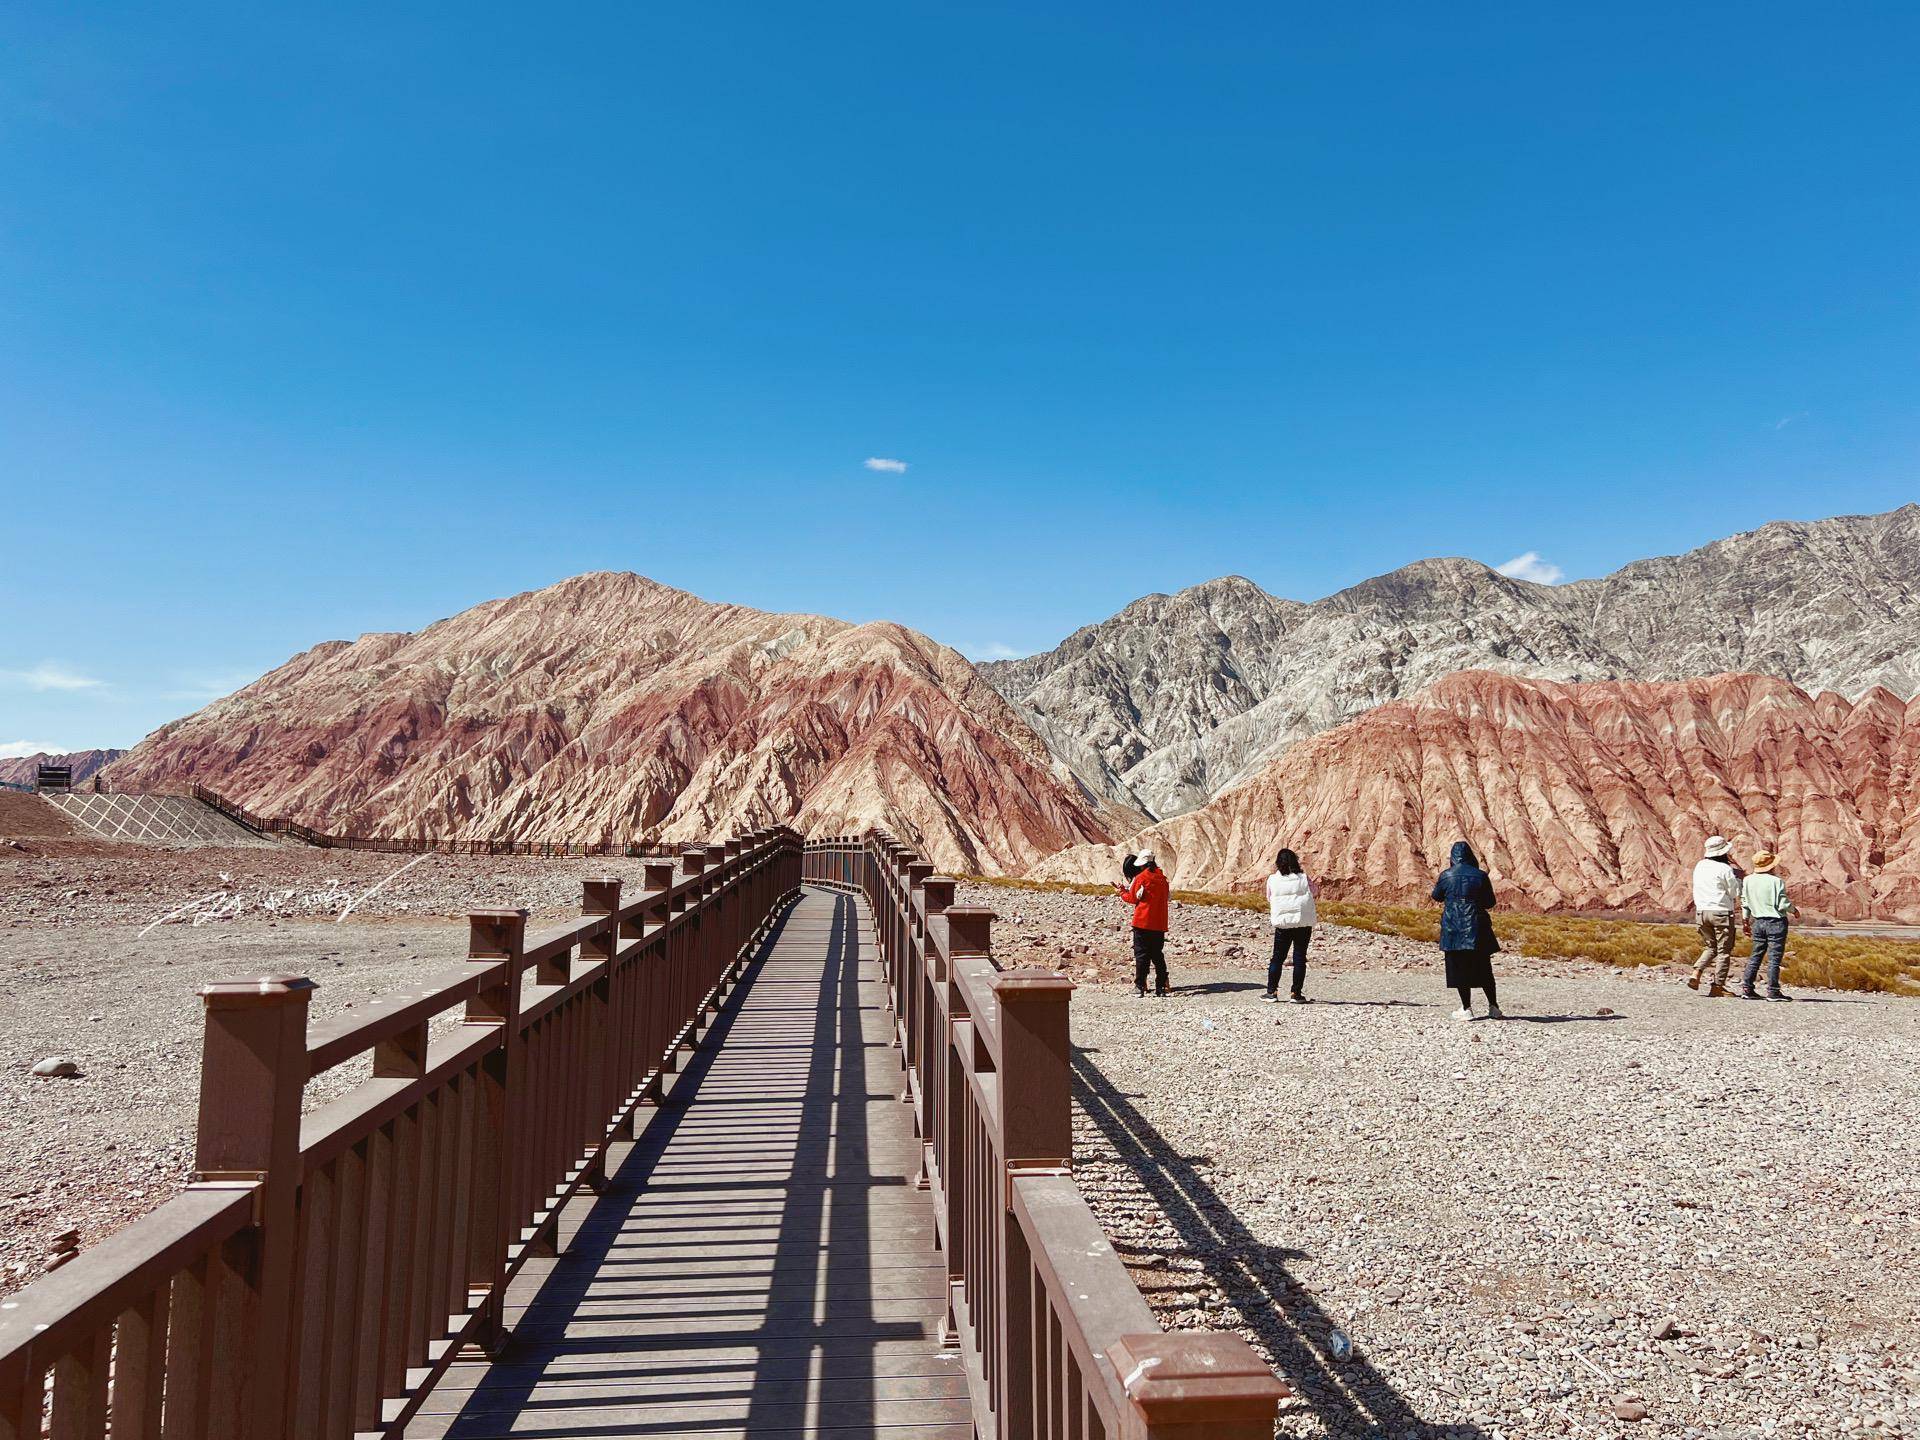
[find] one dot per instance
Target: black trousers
(1285, 938)
(1150, 948)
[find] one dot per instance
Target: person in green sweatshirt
(1764, 898)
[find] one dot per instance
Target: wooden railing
(322, 1270)
(293, 830)
(1055, 1337)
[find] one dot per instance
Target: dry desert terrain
(1626, 1201)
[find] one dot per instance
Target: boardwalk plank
(761, 1264)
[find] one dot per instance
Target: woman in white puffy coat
(1290, 908)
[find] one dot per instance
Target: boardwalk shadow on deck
(823, 1354)
(1349, 1395)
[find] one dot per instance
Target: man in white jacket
(1716, 906)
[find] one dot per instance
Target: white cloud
(1786, 420)
(886, 467)
(20, 749)
(1531, 567)
(992, 650)
(49, 677)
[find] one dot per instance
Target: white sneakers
(1463, 1014)
(1494, 1012)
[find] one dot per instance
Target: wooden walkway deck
(761, 1263)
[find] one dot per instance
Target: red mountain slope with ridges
(611, 707)
(1578, 796)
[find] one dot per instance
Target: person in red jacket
(1147, 893)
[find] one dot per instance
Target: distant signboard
(55, 777)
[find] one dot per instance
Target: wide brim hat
(1765, 860)
(1718, 845)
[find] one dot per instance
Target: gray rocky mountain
(1179, 696)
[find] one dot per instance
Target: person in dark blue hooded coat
(1466, 929)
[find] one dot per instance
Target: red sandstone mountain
(609, 707)
(1578, 796)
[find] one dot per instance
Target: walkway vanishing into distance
(772, 1148)
(761, 1262)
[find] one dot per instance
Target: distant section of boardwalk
(761, 1263)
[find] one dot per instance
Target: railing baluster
(340, 1378)
(80, 1389)
(459, 1246)
(139, 1367)
(377, 1252)
(312, 1305)
(189, 1352)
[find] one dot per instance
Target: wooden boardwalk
(761, 1263)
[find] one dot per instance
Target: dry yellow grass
(1838, 961)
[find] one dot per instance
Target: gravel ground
(85, 974)
(1626, 1201)
(84, 884)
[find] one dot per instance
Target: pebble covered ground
(86, 975)
(1625, 1210)
(90, 883)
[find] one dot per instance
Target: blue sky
(316, 321)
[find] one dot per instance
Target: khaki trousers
(1716, 941)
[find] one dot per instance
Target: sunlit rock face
(1178, 697)
(609, 707)
(1593, 796)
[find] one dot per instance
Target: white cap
(1717, 845)
(1145, 857)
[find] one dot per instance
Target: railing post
(1036, 1084)
(600, 897)
(253, 1071)
(657, 876)
(495, 935)
(969, 931)
(1196, 1384)
(1036, 1134)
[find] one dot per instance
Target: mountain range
(85, 764)
(1177, 697)
(1367, 725)
(1592, 796)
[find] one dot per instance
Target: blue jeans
(1769, 941)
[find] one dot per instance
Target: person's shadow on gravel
(1565, 1019)
(1348, 1394)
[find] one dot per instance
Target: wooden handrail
(323, 1271)
(1054, 1336)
